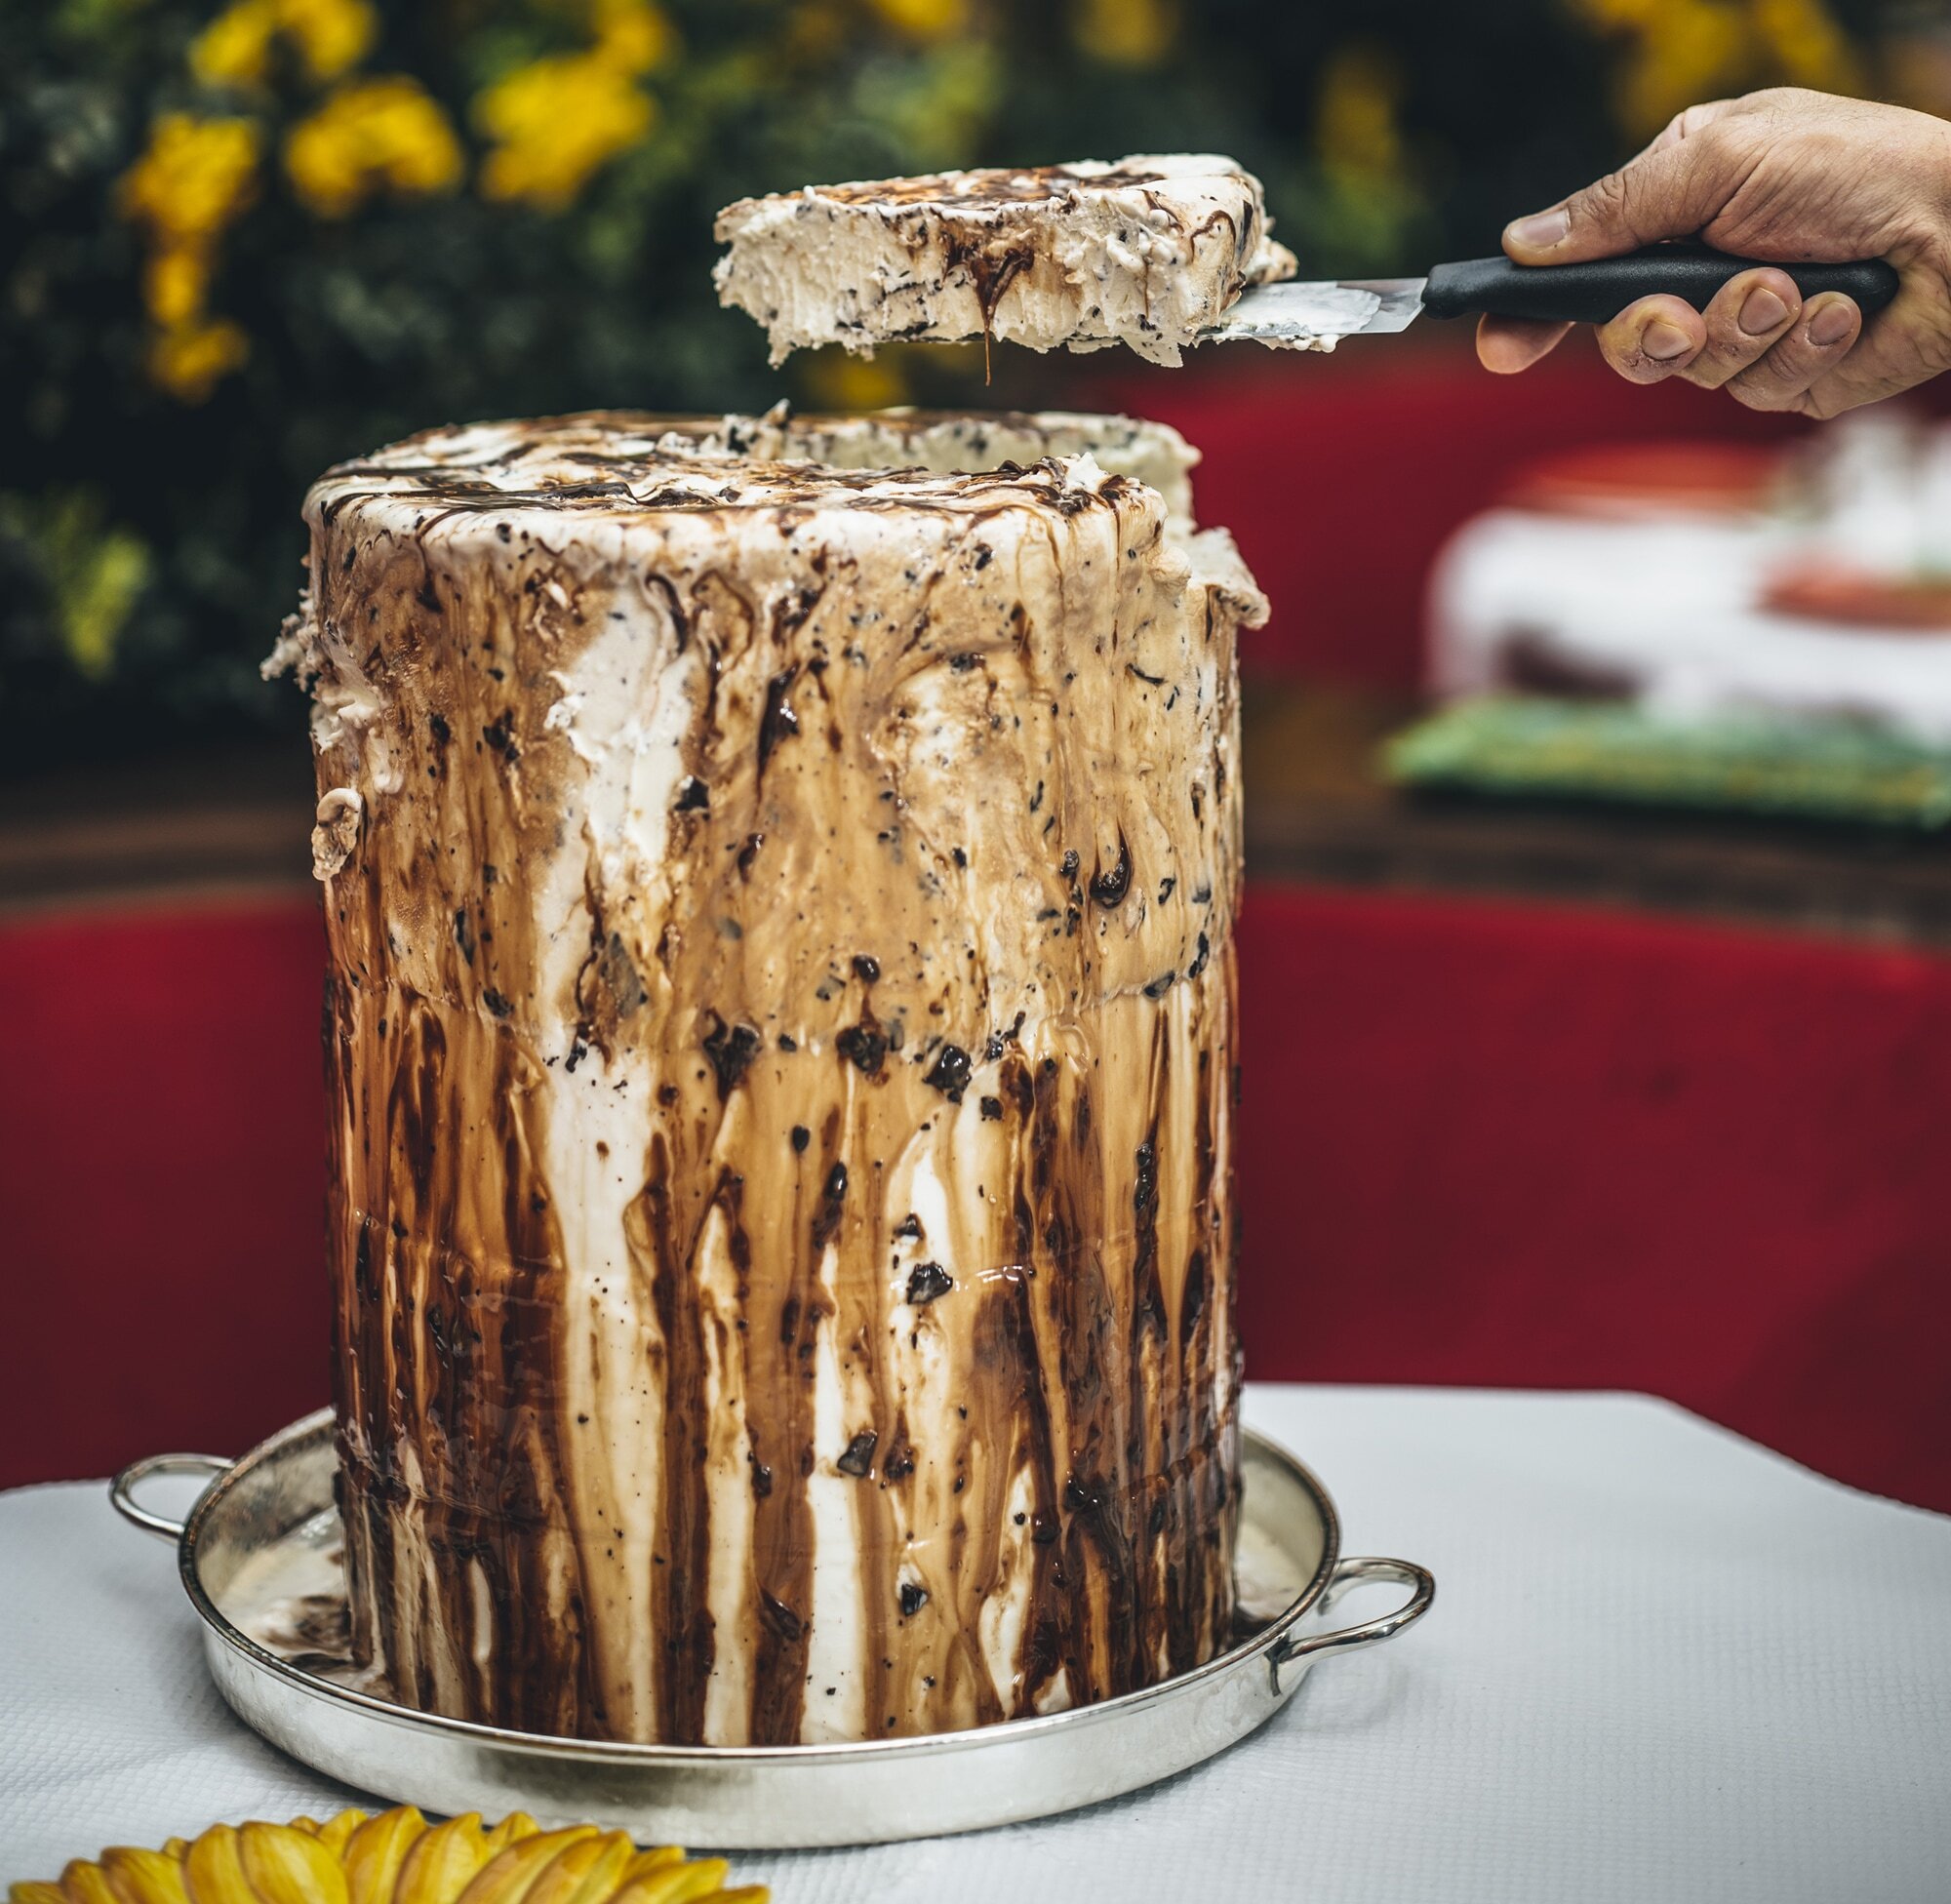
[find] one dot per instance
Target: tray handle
(1369, 1633)
(122, 1489)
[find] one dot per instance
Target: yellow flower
(176, 280)
(235, 48)
(1681, 51)
(632, 34)
(194, 178)
(369, 134)
(188, 360)
(555, 124)
(1357, 131)
(1126, 32)
(329, 36)
(925, 19)
(835, 381)
(1809, 46)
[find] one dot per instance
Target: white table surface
(1664, 1664)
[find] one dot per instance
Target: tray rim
(1268, 1640)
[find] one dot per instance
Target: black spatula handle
(1598, 291)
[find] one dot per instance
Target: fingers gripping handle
(122, 1489)
(1349, 1639)
(1599, 289)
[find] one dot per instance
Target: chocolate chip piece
(694, 796)
(909, 1225)
(927, 1282)
(867, 968)
(496, 1004)
(866, 1044)
(731, 1050)
(1160, 985)
(950, 1073)
(913, 1598)
(801, 1137)
(899, 1464)
(992, 1109)
(859, 1459)
(1198, 963)
(1108, 888)
(762, 1480)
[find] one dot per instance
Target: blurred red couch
(1482, 1143)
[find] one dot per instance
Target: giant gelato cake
(1146, 252)
(780, 880)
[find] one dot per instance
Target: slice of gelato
(1146, 252)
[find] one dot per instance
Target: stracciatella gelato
(780, 1034)
(1146, 252)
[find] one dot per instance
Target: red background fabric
(1479, 1144)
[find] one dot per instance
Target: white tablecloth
(1663, 1665)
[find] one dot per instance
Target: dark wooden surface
(236, 822)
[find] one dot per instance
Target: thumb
(1668, 191)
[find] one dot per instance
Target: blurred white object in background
(1828, 596)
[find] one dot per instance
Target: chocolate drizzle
(717, 1303)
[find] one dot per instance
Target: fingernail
(1542, 229)
(1663, 340)
(1831, 324)
(1762, 311)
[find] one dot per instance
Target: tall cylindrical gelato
(781, 1046)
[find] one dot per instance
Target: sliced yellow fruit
(676, 1883)
(652, 1860)
(337, 1832)
(376, 1851)
(144, 1876)
(508, 1877)
(512, 1830)
(213, 1869)
(585, 1873)
(442, 1864)
(83, 1882)
(287, 1866)
(394, 1858)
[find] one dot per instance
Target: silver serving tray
(1291, 1573)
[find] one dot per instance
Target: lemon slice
(394, 1858)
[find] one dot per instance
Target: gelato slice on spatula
(1149, 252)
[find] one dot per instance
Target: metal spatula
(1592, 293)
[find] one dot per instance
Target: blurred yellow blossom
(1809, 46)
(1126, 32)
(633, 34)
(369, 134)
(328, 36)
(195, 176)
(555, 124)
(1682, 52)
(1357, 129)
(925, 19)
(189, 358)
(558, 121)
(835, 381)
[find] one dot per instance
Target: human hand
(1791, 174)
